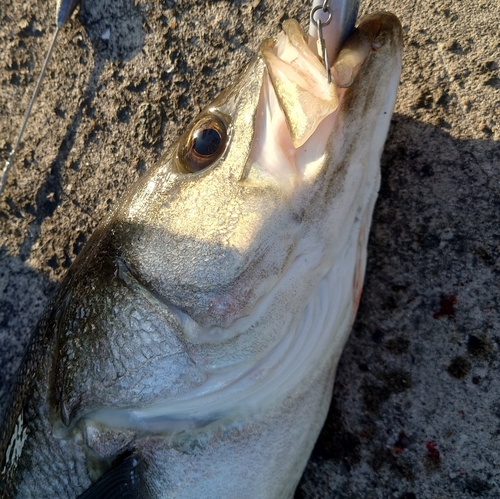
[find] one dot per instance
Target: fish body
(191, 348)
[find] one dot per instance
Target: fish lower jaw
(315, 340)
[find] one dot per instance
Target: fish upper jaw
(299, 81)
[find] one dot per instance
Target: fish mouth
(300, 79)
(300, 82)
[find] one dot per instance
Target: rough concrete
(416, 407)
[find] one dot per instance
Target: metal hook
(321, 41)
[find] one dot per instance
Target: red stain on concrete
(431, 449)
(447, 307)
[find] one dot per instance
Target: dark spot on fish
(459, 367)
(408, 495)
(299, 217)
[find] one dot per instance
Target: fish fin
(125, 480)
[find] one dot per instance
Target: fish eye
(204, 145)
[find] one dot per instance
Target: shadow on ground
(415, 411)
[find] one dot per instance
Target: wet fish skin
(159, 310)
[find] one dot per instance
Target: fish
(191, 348)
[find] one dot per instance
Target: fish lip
(300, 80)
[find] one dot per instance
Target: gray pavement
(416, 405)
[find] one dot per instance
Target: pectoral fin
(125, 480)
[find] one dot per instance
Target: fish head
(276, 168)
(245, 245)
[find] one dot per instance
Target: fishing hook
(321, 41)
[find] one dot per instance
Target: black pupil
(206, 141)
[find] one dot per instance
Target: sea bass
(191, 349)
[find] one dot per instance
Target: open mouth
(301, 108)
(300, 79)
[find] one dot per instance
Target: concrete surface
(416, 407)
